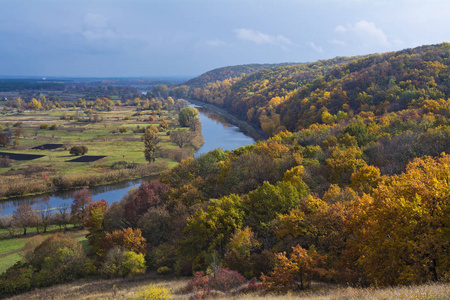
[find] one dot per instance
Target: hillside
(295, 97)
(223, 73)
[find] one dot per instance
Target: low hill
(223, 73)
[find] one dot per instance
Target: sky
(163, 38)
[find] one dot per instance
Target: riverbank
(244, 126)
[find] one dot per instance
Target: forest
(352, 187)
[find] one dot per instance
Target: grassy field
(11, 247)
(114, 135)
(125, 288)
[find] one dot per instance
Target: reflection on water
(217, 132)
(111, 193)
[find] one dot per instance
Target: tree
(24, 216)
(264, 203)
(210, 230)
(299, 267)
(401, 232)
(78, 150)
(342, 163)
(195, 125)
(130, 239)
(151, 141)
(4, 139)
(34, 104)
(181, 137)
(94, 224)
(186, 115)
(123, 263)
(82, 199)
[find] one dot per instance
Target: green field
(115, 134)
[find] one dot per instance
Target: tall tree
(151, 141)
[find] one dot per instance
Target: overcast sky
(131, 38)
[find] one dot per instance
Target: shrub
(223, 280)
(123, 129)
(53, 127)
(78, 150)
(5, 162)
(154, 292)
(163, 270)
(43, 126)
(16, 279)
(122, 263)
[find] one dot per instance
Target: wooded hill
(295, 96)
(228, 72)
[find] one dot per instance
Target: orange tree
(401, 232)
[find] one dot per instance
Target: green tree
(186, 115)
(264, 203)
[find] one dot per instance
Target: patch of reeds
(14, 186)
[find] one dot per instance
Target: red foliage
(82, 198)
(149, 195)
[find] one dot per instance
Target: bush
(5, 162)
(43, 126)
(154, 292)
(223, 280)
(17, 279)
(163, 270)
(122, 263)
(53, 127)
(78, 150)
(123, 129)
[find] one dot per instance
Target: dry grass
(125, 288)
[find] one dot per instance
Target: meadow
(114, 134)
(127, 288)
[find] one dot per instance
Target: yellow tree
(401, 232)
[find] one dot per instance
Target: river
(217, 132)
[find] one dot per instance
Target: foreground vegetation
(123, 288)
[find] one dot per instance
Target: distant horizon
(172, 38)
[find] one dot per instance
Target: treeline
(9, 86)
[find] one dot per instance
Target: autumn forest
(351, 186)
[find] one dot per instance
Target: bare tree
(181, 137)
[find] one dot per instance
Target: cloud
(97, 27)
(337, 42)
(363, 32)
(315, 47)
(262, 38)
(215, 43)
